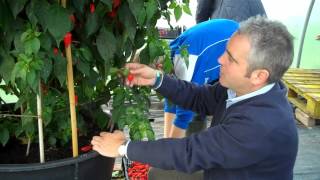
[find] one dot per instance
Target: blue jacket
(253, 139)
(238, 10)
(205, 43)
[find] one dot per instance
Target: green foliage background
(32, 51)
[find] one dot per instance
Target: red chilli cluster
(138, 171)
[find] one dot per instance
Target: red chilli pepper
(86, 148)
(67, 39)
(130, 77)
(138, 171)
(76, 100)
(116, 3)
(92, 8)
(72, 19)
(55, 51)
(113, 13)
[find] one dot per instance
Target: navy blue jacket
(253, 139)
(237, 10)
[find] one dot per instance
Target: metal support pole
(306, 22)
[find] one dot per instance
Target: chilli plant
(106, 34)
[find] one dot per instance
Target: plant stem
(64, 3)
(28, 147)
(133, 58)
(16, 115)
(40, 123)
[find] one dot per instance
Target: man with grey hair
(253, 134)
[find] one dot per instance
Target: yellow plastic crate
(304, 90)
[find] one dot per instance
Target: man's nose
(220, 59)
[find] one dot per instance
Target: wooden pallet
(304, 92)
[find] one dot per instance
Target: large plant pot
(89, 166)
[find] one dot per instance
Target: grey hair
(271, 46)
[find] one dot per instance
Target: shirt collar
(232, 99)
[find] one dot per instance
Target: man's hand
(107, 144)
(143, 74)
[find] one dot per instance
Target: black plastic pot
(89, 166)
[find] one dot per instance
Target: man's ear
(259, 77)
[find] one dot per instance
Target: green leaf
(52, 140)
(118, 99)
(101, 118)
(32, 80)
(4, 136)
(177, 12)
(117, 113)
(114, 71)
(19, 70)
(79, 5)
(151, 8)
(32, 46)
(30, 11)
(140, 39)
(86, 54)
(144, 56)
(27, 35)
(186, 9)
(83, 67)
(47, 115)
(82, 126)
(27, 119)
(58, 22)
(18, 43)
(6, 18)
(141, 17)
(6, 66)
(167, 64)
(106, 44)
(186, 1)
(108, 3)
(88, 91)
(41, 9)
(46, 69)
(36, 64)
(18, 131)
(93, 79)
(92, 24)
(22, 99)
(154, 50)
(128, 20)
(137, 9)
(150, 134)
(7, 39)
(125, 72)
(137, 135)
(46, 42)
(17, 6)
(60, 69)
(173, 4)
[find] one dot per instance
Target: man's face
(234, 65)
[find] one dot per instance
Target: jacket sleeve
(204, 10)
(231, 145)
(201, 99)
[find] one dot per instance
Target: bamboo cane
(40, 124)
(67, 41)
(67, 44)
